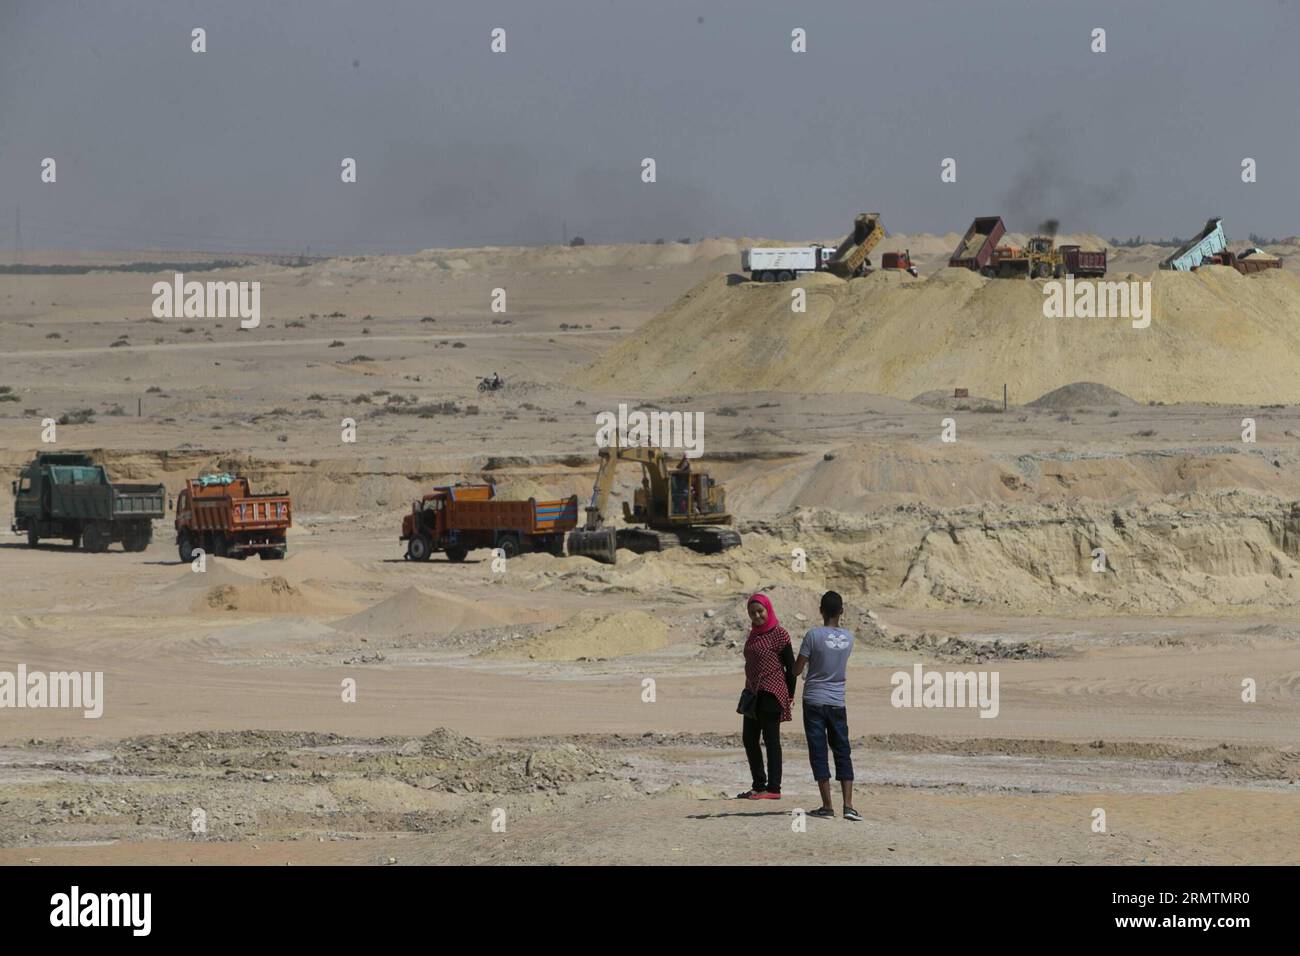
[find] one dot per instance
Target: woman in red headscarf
(769, 677)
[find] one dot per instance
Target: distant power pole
(18, 233)
(566, 230)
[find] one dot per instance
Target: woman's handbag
(748, 704)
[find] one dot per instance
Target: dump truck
(976, 247)
(850, 258)
(1246, 262)
(781, 264)
(675, 506)
(65, 495)
(1208, 243)
(457, 519)
(898, 260)
(219, 514)
(1083, 263)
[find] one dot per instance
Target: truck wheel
(785, 276)
(95, 539)
(988, 272)
(219, 545)
(137, 537)
(33, 539)
(270, 554)
(457, 552)
(185, 547)
(509, 546)
(557, 546)
(419, 548)
(1043, 271)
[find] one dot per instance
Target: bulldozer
(1039, 259)
(674, 507)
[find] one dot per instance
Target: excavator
(673, 507)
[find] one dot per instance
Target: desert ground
(519, 697)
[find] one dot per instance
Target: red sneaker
(766, 795)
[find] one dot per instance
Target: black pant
(768, 724)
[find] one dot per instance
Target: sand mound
(322, 566)
(273, 595)
(415, 612)
(1082, 394)
(591, 634)
(1215, 336)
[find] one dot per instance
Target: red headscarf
(771, 621)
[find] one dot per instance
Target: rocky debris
(958, 649)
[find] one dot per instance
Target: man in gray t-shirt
(823, 659)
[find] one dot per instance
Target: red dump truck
(976, 247)
(220, 515)
(1247, 262)
(456, 519)
(1082, 263)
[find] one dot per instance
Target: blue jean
(823, 724)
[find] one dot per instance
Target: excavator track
(709, 540)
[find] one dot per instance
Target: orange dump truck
(220, 515)
(456, 519)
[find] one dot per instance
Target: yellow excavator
(674, 506)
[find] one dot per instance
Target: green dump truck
(68, 496)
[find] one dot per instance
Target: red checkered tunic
(763, 670)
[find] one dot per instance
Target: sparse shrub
(54, 335)
(80, 416)
(336, 344)
(458, 345)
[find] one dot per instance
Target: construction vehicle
(220, 515)
(1247, 262)
(456, 519)
(66, 495)
(977, 246)
(1207, 243)
(1041, 258)
(898, 260)
(784, 263)
(673, 507)
(781, 264)
(1083, 263)
(850, 258)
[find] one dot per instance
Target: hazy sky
(239, 148)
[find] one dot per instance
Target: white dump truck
(783, 264)
(848, 260)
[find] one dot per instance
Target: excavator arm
(596, 539)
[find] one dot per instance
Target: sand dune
(1215, 335)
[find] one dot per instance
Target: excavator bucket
(600, 545)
